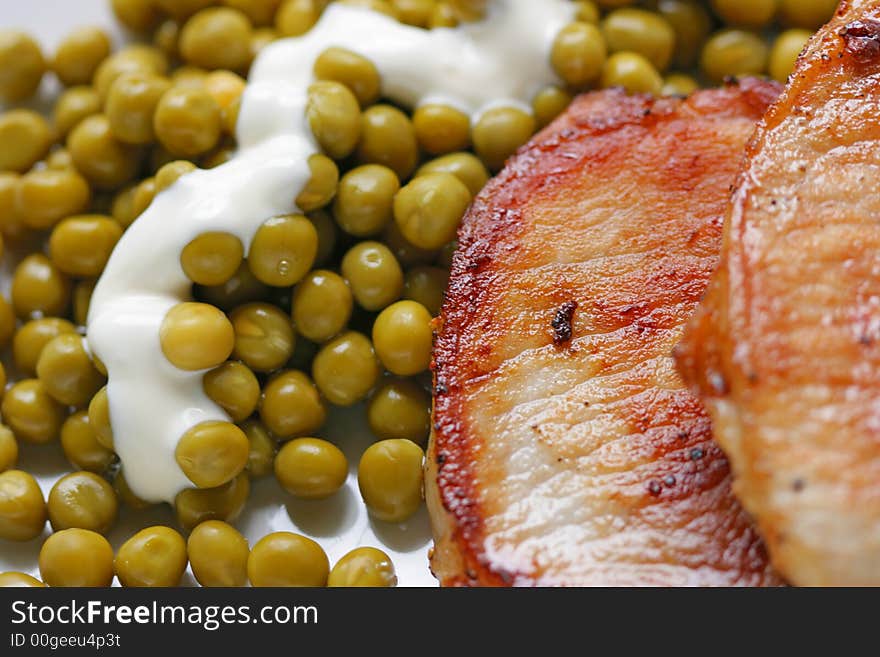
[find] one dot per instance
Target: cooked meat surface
(785, 351)
(566, 449)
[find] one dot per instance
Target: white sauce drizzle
(503, 60)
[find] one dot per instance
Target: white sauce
(503, 60)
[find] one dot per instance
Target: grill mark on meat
(862, 39)
(561, 322)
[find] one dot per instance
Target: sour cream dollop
(502, 60)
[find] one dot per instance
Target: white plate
(339, 524)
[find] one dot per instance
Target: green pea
(441, 129)
(291, 406)
(8, 448)
(283, 250)
(499, 132)
(390, 479)
(79, 54)
(400, 409)
(429, 209)
(374, 275)
(262, 448)
(733, 52)
(32, 414)
(99, 418)
(218, 554)
(26, 137)
(691, 23)
(678, 84)
(354, 71)
(22, 508)
(264, 337)
(234, 387)
(549, 103)
(640, 31)
(196, 336)
(73, 106)
(321, 187)
(217, 38)
(136, 15)
(81, 446)
(363, 566)
(81, 245)
(632, 72)
(402, 337)
(467, 167)
(154, 557)
(131, 105)
(578, 53)
(212, 453)
(388, 138)
(296, 17)
(21, 66)
(310, 468)
(106, 162)
(225, 502)
(785, 51)
(807, 14)
(46, 196)
(346, 369)
(67, 371)
(427, 285)
(745, 13)
(187, 121)
(76, 557)
(212, 258)
(287, 559)
(83, 500)
(365, 199)
(334, 116)
(29, 341)
(321, 305)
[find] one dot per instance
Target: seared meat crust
(785, 351)
(566, 449)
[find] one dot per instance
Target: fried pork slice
(566, 450)
(785, 351)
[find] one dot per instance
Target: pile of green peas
(329, 307)
(672, 47)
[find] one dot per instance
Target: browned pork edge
(459, 557)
